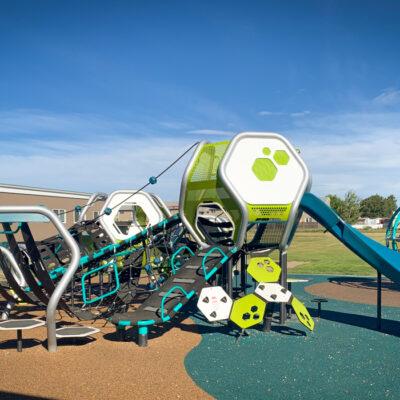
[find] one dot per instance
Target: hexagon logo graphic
(214, 303)
(265, 169)
(248, 311)
(264, 269)
(281, 157)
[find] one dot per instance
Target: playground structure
(392, 231)
(255, 188)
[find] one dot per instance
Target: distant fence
(310, 226)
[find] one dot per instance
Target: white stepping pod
(273, 292)
(214, 303)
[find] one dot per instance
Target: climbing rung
(183, 280)
(192, 267)
(169, 295)
(213, 254)
(150, 308)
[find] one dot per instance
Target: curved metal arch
(67, 277)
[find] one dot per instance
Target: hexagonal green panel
(264, 269)
(267, 151)
(248, 311)
(264, 169)
(302, 314)
(281, 157)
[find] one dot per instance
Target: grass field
(321, 253)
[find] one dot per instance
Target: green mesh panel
(204, 186)
(141, 217)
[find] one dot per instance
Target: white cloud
(88, 153)
(212, 132)
(280, 113)
(118, 164)
(388, 97)
(269, 113)
(358, 151)
(300, 114)
(42, 122)
(177, 125)
(355, 151)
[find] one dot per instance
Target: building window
(309, 219)
(61, 214)
(95, 214)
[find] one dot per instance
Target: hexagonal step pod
(264, 269)
(273, 292)
(19, 325)
(248, 311)
(76, 331)
(302, 314)
(214, 303)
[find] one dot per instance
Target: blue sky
(99, 95)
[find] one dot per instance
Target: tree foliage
(390, 206)
(348, 208)
(377, 206)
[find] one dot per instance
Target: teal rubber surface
(344, 358)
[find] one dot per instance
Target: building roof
(35, 191)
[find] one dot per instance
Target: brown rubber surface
(101, 369)
(357, 290)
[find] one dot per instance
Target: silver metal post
(67, 277)
(15, 270)
(283, 282)
(92, 199)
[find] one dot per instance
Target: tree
(373, 206)
(351, 212)
(377, 206)
(348, 208)
(335, 202)
(390, 206)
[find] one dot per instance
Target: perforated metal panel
(201, 186)
(266, 234)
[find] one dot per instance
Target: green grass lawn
(323, 254)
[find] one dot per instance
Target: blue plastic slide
(375, 254)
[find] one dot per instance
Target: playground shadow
(11, 344)
(200, 327)
(389, 326)
(76, 342)
(177, 322)
(364, 283)
(20, 396)
(287, 330)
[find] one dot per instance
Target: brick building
(59, 201)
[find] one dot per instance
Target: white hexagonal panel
(264, 168)
(214, 303)
(273, 292)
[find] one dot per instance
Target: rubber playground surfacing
(344, 358)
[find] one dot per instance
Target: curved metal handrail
(19, 277)
(67, 277)
(93, 198)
